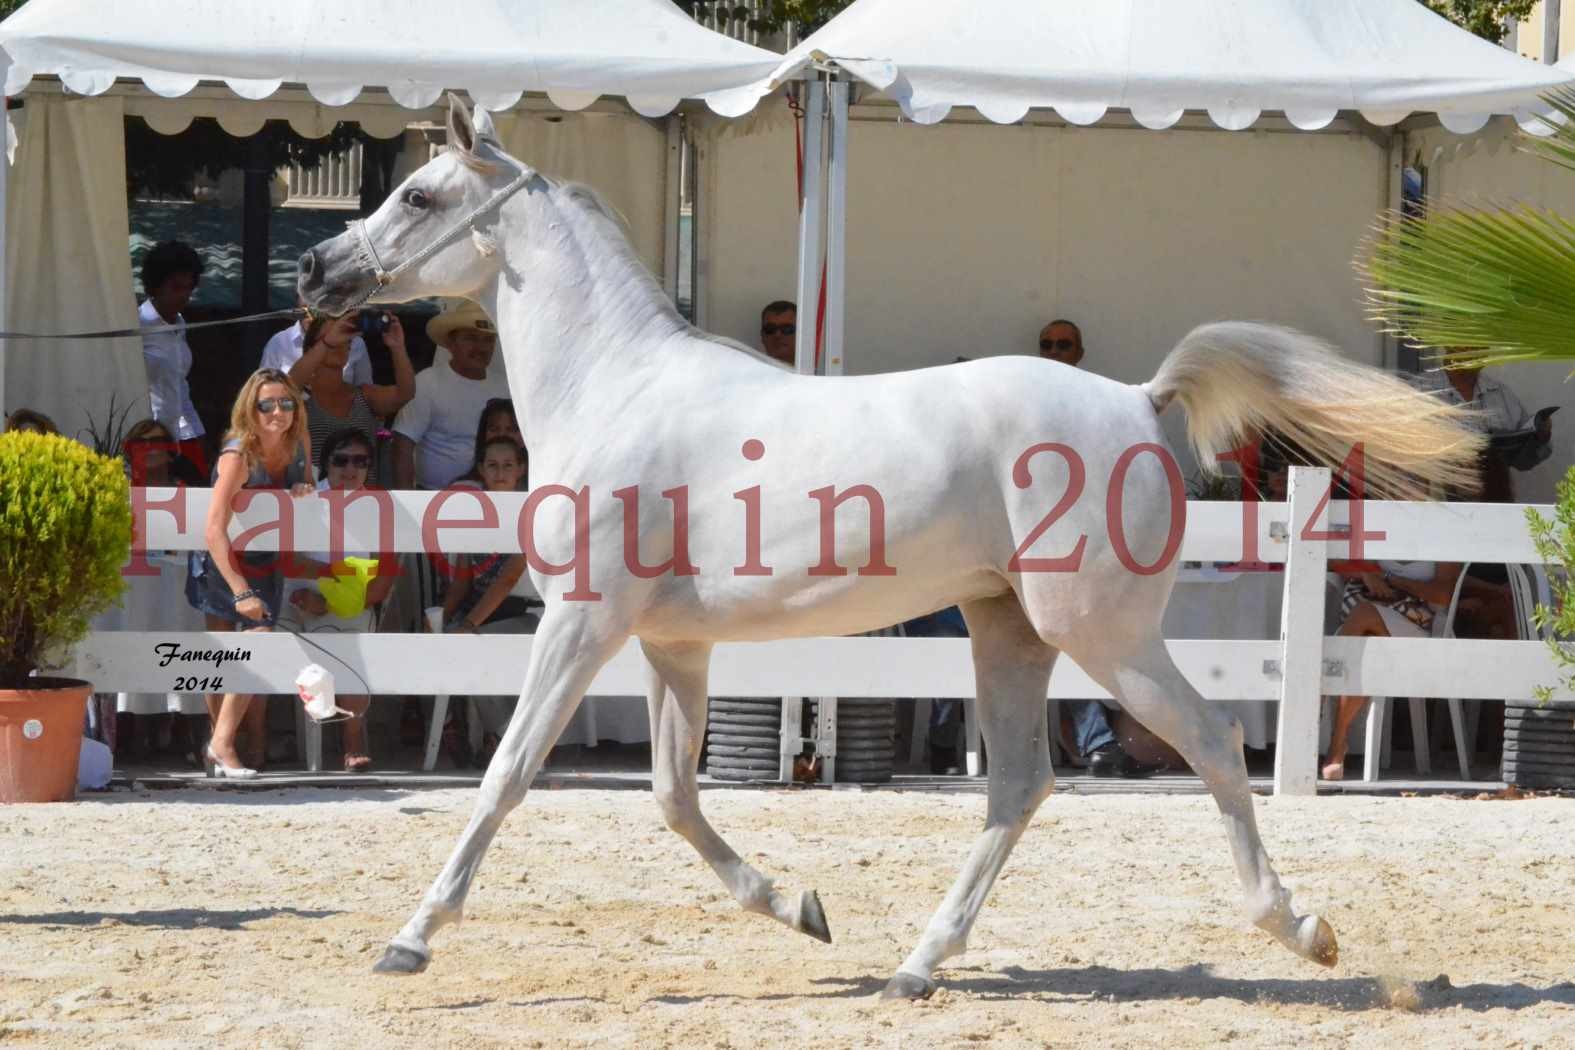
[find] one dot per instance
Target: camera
(375, 322)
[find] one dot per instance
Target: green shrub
(65, 533)
(1555, 541)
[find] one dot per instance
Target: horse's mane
(589, 198)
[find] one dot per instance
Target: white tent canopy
(1235, 59)
(645, 50)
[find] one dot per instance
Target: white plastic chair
(1378, 714)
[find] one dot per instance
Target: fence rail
(1297, 669)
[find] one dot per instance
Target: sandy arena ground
(251, 920)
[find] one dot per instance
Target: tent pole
(672, 206)
(5, 183)
(836, 227)
(811, 218)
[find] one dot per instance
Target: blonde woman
(266, 447)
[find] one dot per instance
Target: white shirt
(285, 348)
(442, 419)
(1499, 410)
(168, 359)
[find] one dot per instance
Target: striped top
(323, 423)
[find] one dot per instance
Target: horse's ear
(461, 132)
(481, 120)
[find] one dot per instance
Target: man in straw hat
(435, 434)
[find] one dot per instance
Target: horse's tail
(1237, 380)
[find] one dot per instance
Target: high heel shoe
(218, 769)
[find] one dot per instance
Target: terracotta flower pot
(41, 740)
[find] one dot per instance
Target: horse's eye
(417, 199)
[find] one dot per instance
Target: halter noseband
(382, 277)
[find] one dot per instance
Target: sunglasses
(1049, 345)
(345, 459)
(779, 329)
(266, 405)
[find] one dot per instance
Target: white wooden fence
(1297, 670)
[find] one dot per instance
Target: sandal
(355, 763)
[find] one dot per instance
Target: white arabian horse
(719, 465)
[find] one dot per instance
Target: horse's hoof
(1318, 941)
(812, 917)
(908, 986)
(398, 959)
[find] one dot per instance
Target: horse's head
(428, 238)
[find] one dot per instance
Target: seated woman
(25, 419)
(266, 447)
(480, 599)
(335, 404)
(345, 463)
(1402, 600)
(146, 722)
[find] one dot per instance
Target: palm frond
(1558, 144)
(1480, 285)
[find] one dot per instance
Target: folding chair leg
(1463, 749)
(971, 734)
(1058, 755)
(1420, 752)
(314, 745)
(1373, 743)
(918, 752)
(435, 732)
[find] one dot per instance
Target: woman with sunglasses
(145, 722)
(346, 461)
(267, 447)
(335, 404)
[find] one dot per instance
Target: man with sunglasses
(779, 330)
(1094, 739)
(1062, 341)
(435, 433)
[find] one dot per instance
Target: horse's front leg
(570, 646)
(677, 727)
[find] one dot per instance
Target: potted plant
(65, 533)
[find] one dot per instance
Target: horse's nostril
(307, 264)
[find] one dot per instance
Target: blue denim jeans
(1090, 726)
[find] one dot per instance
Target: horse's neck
(581, 322)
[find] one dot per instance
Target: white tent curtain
(67, 265)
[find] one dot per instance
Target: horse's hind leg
(1012, 670)
(1156, 693)
(677, 726)
(569, 648)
